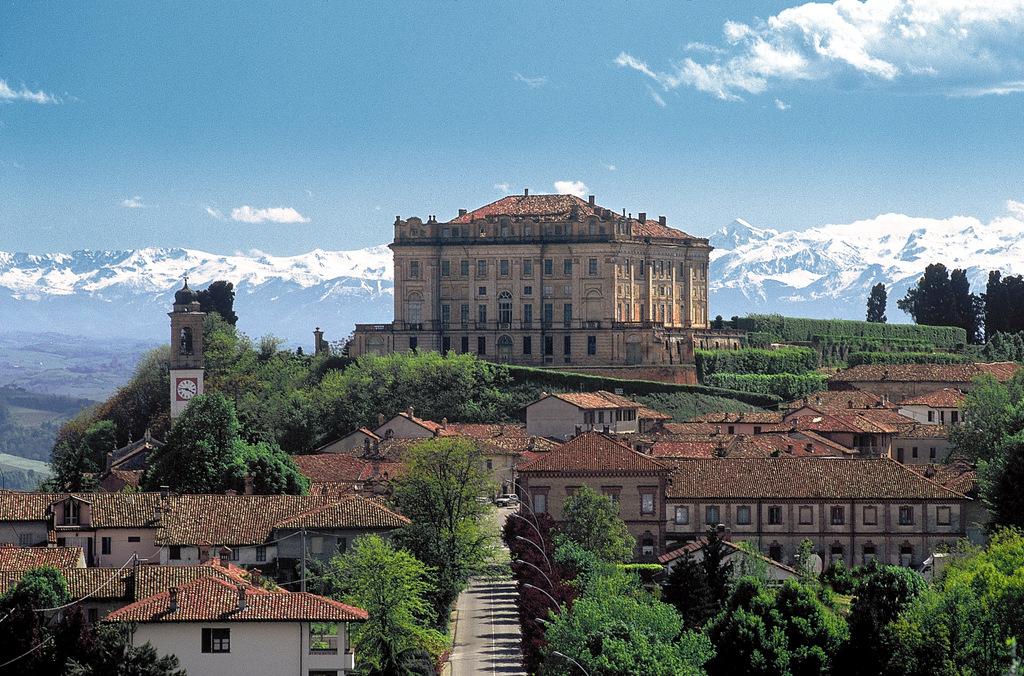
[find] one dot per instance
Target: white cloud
(610, 167)
(781, 105)
(214, 212)
(578, 188)
(656, 97)
(503, 187)
(248, 214)
(8, 93)
(956, 48)
(533, 82)
(134, 203)
(1016, 208)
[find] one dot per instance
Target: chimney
(224, 555)
(642, 217)
(380, 419)
(526, 192)
(366, 443)
(662, 220)
(109, 461)
(248, 484)
(255, 576)
(590, 200)
(606, 430)
(241, 597)
(231, 491)
(409, 411)
(462, 212)
(172, 607)
(444, 422)
(849, 403)
(164, 492)
(789, 448)
(579, 430)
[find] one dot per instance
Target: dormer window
(72, 512)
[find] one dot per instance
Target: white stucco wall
(272, 648)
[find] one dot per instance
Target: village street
(487, 634)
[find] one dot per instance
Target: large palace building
(548, 279)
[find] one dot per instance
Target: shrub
(755, 360)
(792, 329)
(567, 381)
(857, 358)
(786, 386)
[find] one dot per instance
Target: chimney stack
(462, 212)
(173, 605)
(241, 597)
(590, 200)
(526, 192)
(444, 422)
(409, 411)
(380, 419)
(642, 217)
(662, 220)
(248, 484)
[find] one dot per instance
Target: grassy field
(684, 406)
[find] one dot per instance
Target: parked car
(507, 500)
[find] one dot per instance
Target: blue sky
(289, 126)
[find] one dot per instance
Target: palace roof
(561, 208)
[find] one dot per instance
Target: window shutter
(207, 643)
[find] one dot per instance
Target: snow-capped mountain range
(828, 271)
(820, 272)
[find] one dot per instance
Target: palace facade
(548, 279)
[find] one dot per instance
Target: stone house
(564, 415)
(851, 509)
(941, 407)
(215, 626)
(922, 443)
(635, 482)
(899, 382)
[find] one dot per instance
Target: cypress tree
(876, 304)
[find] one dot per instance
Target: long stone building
(548, 279)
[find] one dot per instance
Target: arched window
(504, 348)
(185, 341)
(414, 309)
(505, 308)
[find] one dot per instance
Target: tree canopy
(592, 520)
(876, 303)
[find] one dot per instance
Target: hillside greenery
(858, 358)
(755, 360)
(786, 386)
(802, 329)
(29, 421)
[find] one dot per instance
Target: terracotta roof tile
(561, 208)
(828, 401)
(957, 475)
(947, 397)
(365, 512)
(209, 599)
(645, 413)
(939, 373)
(755, 417)
(596, 400)
(593, 452)
(923, 431)
(23, 558)
(813, 478)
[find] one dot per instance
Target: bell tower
(186, 349)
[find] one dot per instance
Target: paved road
(487, 634)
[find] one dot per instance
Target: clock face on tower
(186, 388)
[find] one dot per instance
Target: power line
(26, 654)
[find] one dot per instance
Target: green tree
(616, 627)
(876, 304)
(881, 595)
(1001, 479)
(988, 412)
(199, 448)
(24, 628)
(763, 631)
(687, 589)
(592, 521)
(78, 456)
(273, 471)
(929, 301)
(968, 308)
(113, 655)
(219, 297)
(449, 530)
(392, 586)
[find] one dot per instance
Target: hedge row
(866, 344)
(857, 358)
(802, 329)
(755, 360)
(566, 380)
(786, 386)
